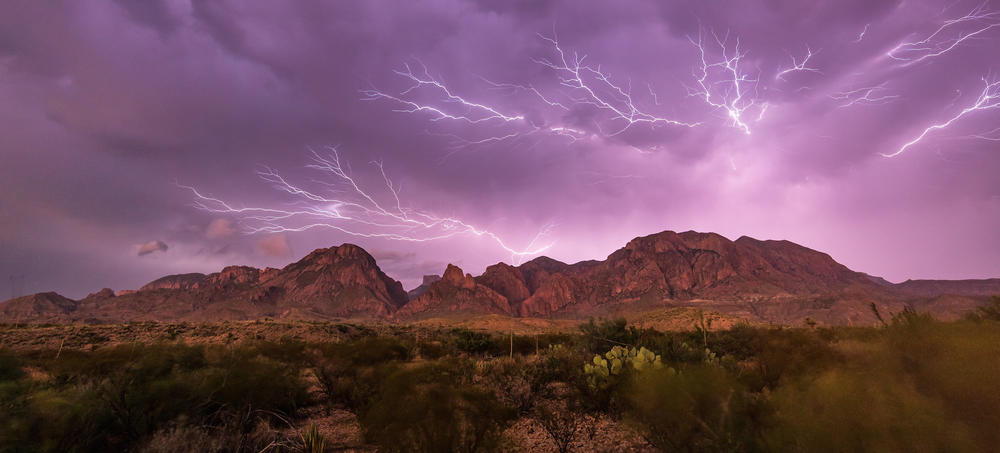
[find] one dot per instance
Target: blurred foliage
(913, 384)
(432, 408)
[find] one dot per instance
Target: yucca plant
(312, 440)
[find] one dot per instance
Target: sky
(139, 139)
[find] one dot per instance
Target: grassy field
(912, 384)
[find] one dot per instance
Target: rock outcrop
(456, 293)
(424, 286)
(336, 282)
(932, 288)
(40, 307)
(767, 281)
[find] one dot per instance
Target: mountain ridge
(773, 281)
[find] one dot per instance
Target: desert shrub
(126, 394)
(677, 349)
(736, 342)
(375, 350)
(519, 381)
(286, 349)
(774, 355)
(249, 432)
(562, 414)
(432, 349)
(242, 380)
(432, 408)
(909, 318)
(560, 363)
(861, 411)
(954, 363)
(989, 311)
(701, 408)
(350, 374)
(472, 342)
(48, 420)
(599, 336)
(10, 367)
(354, 387)
(151, 360)
(511, 381)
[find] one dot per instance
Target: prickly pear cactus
(615, 362)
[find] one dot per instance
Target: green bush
(433, 408)
(599, 336)
(472, 342)
(10, 367)
(861, 411)
(989, 311)
(701, 408)
(914, 384)
(122, 396)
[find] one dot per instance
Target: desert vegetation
(910, 384)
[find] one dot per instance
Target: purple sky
(108, 108)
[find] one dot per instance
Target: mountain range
(776, 282)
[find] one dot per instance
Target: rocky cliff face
(932, 288)
(424, 286)
(333, 282)
(770, 281)
(338, 281)
(179, 281)
(41, 307)
(672, 266)
(456, 293)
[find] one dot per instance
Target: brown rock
(456, 293)
(506, 280)
(41, 307)
(768, 281)
(424, 286)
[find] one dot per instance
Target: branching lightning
(989, 98)
(474, 112)
(798, 66)
(862, 34)
(347, 207)
(867, 95)
(993, 135)
(948, 36)
(723, 84)
(592, 86)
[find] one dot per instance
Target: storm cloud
(112, 109)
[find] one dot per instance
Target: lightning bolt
(798, 65)
(353, 210)
(485, 112)
(862, 34)
(592, 86)
(988, 99)
(513, 87)
(763, 110)
(993, 135)
(866, 95)
(949, 35)
(722, 84)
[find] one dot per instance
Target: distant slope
(340, 282)
(760, 281)
(932, 288)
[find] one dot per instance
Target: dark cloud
(108, 105)
(155, 14)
